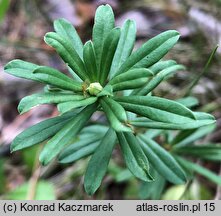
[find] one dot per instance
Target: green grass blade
(204, 71)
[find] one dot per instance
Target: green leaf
(132, 84)
(131, 75)
(43, 74)
(115, 113)
(97, 166)
(40, 132)
(90, 61)
(203, 116)
(4, 6)
(44, 191)
(66, 29)
(157, 109)
(152, 190)
(95, 129)
(124, 47)
(134, 156)
(53, 77)
(206, 151)
(151, 51)
(162, 161)
(85, 144)
(64, 136)
(161, 65)
(103, 24)
(199, 169)
(188, 101)
(106, 91)
(156, 80)
(134, 78)
(69, 105)
(146, 123)
(21, 69)
(67, 53)
(31, 101)
(188, 137)
(83, 147)
(109, 47)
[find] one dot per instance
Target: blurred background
(23, 25)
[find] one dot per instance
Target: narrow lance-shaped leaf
(132, 84)
(90, 61)
(153, 50)
(206, 151)
(109, 47)
(21, 69)
(156, 80)
(161, 65)
(83, 147)
(131, 75)
(124, 47)
(31, 101)
(131, 79)
(152, 190)
(187, 137)
(134, 156)
(67, 53)
(40, 132)
(199, 169)
(55, 78)
(115, 113)
(147, 123)
(97, 166)
(67, 30)
(162, 161)
(188, 101)
(66, 106)
(157, 109)
(103, 24)
(64, 136)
